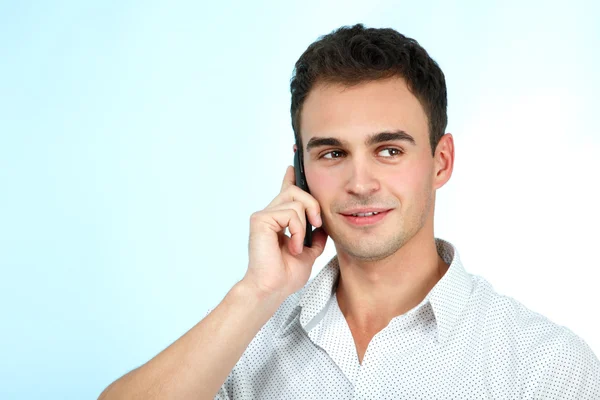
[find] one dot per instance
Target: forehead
(351, 113)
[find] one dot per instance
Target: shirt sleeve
(572, 373)
(222, 394)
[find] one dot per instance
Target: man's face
(389, 173)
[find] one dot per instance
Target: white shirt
(463, 341)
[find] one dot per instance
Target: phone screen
(301, 183)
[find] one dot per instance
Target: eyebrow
(369, 141)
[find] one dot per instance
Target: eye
(334, 154)
(392, 151)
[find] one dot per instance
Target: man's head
(353, 55)
(369, 110)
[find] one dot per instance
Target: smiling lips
(365, 216)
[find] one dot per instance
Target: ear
(295, 147)
(444, 160)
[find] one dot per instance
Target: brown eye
(333, 153)
(392, 151)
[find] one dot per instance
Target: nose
(362, 180)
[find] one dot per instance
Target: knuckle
(300, 195)
(295, 192)
(295, 218)
(316, 205)
(300, 209)
(255, 216)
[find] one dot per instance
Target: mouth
(365, 217)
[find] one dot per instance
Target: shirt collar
(447, 298)
(450, 295)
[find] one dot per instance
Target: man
(394, 314)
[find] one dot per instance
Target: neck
(371, 293)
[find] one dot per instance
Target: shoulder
(505, 322)
(568, 369)
(553, 358)
(507, 317)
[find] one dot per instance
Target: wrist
(257, 296)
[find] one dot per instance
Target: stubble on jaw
(367, 246)
(374, 248)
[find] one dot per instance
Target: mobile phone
(301, 183)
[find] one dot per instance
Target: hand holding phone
(280, 265)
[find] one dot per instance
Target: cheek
(322, 186)
(317, 180)
(409, 183)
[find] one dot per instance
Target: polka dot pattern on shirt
(463, 341)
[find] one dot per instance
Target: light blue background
(136, 138)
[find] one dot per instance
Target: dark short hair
(354, 54)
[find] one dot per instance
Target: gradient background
(136, 138)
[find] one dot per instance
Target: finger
(310, 204)
(289, 178)
(296, 244)
(297, 231)
(294, 205)
(276, 221)
(319, 241)
(318, 244)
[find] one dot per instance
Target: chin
(369, 247)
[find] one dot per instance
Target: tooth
(365, 214)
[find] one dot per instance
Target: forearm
(196, 365)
